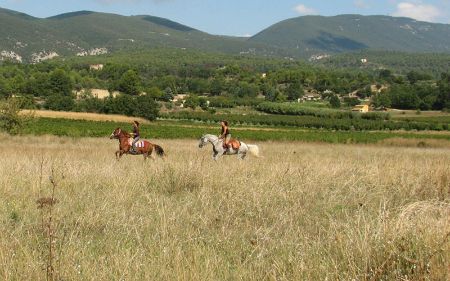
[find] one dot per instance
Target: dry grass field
(83, 116)
(301, 212)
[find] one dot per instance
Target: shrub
(11, 121)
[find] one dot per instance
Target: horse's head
(203, 141)
(115, 134)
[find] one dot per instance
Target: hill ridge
(30, 39)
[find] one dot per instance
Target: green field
(192, 130)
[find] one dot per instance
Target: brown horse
(142, 147)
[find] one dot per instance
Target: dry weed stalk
(47, 204)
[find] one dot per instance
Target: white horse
(218, 149)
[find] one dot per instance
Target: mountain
(82, 33)
(344, 33)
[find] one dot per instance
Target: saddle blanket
(139, 144)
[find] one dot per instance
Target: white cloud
(303, 10)
(419, 11)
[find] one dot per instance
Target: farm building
(179, 97)
(310, 97)
(361, 108)
(96, 67)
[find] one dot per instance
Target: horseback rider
(225, 134)
(135, 134)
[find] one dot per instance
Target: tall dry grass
(83, 116)
(303, 212)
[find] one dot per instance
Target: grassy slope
(303, 212)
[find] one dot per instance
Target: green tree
(38, 85)
(168, 94)
(386, 75)
(351, 101)
(414, 76)
(59, 103)
(123, 104)
(381, 100)
(130, 83)
(5, 89)
(294, 91)
(245, 89)
(156, 94)
(274, 95)
(443, 97)
(146, 107)
(60, 84)
(404, 97)
(335, 102)
(192, 101)
(217, 86)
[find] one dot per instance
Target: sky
(237, 17)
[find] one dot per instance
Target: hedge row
(299, 110)
(347, 124)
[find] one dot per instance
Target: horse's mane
(125, 133)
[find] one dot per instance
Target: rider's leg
(133, 144)
(227, 141)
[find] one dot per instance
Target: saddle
(139, 144)
(235, 144)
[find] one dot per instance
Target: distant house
(353, 94)
(264, 75)
(179, 97)
(328, 92)
(364, 61)
(96, 67)
(378, 88)
(363, 108)
(310, 97)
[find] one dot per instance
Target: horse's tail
(159, 151)
(253, 149)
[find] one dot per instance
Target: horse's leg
(219, 154)
(242, 153)
(117, 156)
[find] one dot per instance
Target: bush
(59, 102)
(11, 121)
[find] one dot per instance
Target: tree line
(227, 81)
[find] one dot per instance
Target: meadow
(304, 211)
